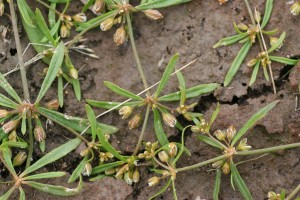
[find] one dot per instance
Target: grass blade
(118, 90)
(214, 115)
(6, 102)
(167, 73)
(77, 172)
(109, 105)
(43, 26)
(8, 193)
(217, 185)
(209, 141)
(254, 73)
(53, 155)
(278, 43)
(53, 69)
(237, 63)
(76, 88)
(230, 40)
(267, 14)
(190, 92)
(158, 128)
(22, 194)
(60, 91)
(160, 4)
(7, 87)
(257, 116)
(286, 61)
(102, 168)
(92, 119)
(45, 175)
(6, 152)
(24, 13)
(239, 182)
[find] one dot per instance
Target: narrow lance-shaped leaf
(92, 119)
(53, 69)
(77, 172)
(167, 74)
(24, 13)
(52, 156)
(239, 182)
(267, 14)
(88, 4)
(118, 90)
(217, 185)
(257, 116)
(230, 40)
(209, 141)
(6, 102)
(181, 87)
(8, 193)
(60, 91)
(56, 190)
(286, 61)
(237, 63)
(254, 73)
(102, 168)
(77, 90)
(7, 87)
(44, 176)
(158, 128)
(277, 43)
(43, 26)
(190, 92)
(160, 4)
(22, 194)
(109, 105)
(214, 115)
(6, 152)
(15, 144)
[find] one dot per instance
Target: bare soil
(191, 30)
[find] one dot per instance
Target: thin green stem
(143, 131)
(136, 55)
(19, 51)
(268, 150)
(31, 142)
(174, 190)
(293, 194)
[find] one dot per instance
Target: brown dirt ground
(191, 30)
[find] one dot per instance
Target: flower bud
(120, 36)
(226, 168)
(39, 134)
(273, 196)
(218, 164)
(65, 18)
(196, 129)
(122, 170)
(9, 126)
(107, 24)
(242, 27)
(13, 136)
(153, 181)
(230, 132)
(295, 8)
(53, 104)
(48, 53)
(128, 178)
(3, 113)
(169, 119)
(64, 31)
(136, 176)
(87, 169)
(252, 62)
(172, 150)
(135, 121)
(257, 16)
(19, 158)
(242, 146)
(69, 26)
(125, 111)
(220, 135)
(153, 14)
(98, 6)
(1, 8)
(163, 156)
(84, 152)
(80, 18)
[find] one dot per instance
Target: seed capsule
(98, 6)
(226, 168)
(1, 8)
(295, 8)
(172, 150)
(3, 113)
(252, 62)
(39, 134)
(19, 158)
(153, 181)
(120, 36)
(128, 178)
(242, 146)
(220, 135)
(242, 27)
(136, 176)
(9, 126)
(195, 129)
(169, 119)
(110, 172)
(53, 104)
(87, 169)
(107, 24)
(153, 14)
(257, 17)
(48, 53)
(230, 132)
(163, 156)
(135, 121)
(80, 18)
(125, 111)
(218, 164)
(273, 40)
(64, 31)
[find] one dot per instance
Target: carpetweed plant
(22, 121)
(248, 35)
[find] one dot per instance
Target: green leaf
(236, 28)
(22, 194)
(52, 15)
(77, 172)
(76, 87)
(160, 4)
(6, 152)
(102, 168)
(230, 40)
(92, 119)
(7, 87)
(267, 14)
(44, 175)
(286, 61)
(43, 26)
(182, 87)
(53, 69)
(254, 73)
(118, 90)
(237, 63)
(76, 123)
(15, 144)
(56, 190)
(107, 146)
(60, 91)
(24, 13)
(239, 182)
(190, 92)
(272, 32)
(277, 43)
(209, 141)
(214, 115)
(52, 156)
(87, 5)
(167, 73)
(217, 185)
(257, 116)
(266, 73)
(109, 105)
(23, 125)
(158, 128)
(8, 193)
(6, 102)
(162, 190)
